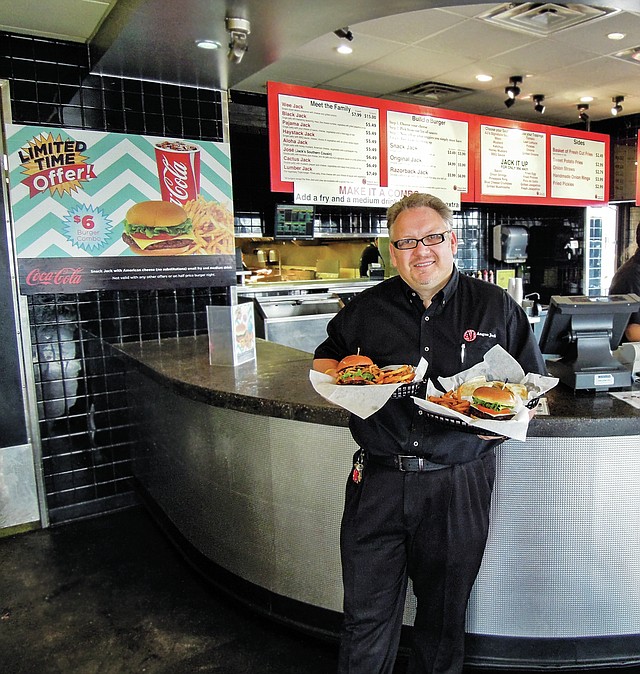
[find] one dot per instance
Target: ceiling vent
(543, 18)
(434, 92)
(632, 55)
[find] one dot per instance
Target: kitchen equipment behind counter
(297, 322)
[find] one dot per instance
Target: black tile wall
(82, 413)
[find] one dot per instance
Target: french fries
(403, 374)
(452, 401)
(212, 227)
(399, 375)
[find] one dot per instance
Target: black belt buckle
(415, 464)
(400, 463)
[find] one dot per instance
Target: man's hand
(327, 365)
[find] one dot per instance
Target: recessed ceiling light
(617, 36)
(344, 49)
(208, 44)
(484, 78)
(586, 99)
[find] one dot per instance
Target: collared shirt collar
(442, 296)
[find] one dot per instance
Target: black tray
(452, 422)
(414, 388)
(463, 426)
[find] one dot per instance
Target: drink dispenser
(510, 243)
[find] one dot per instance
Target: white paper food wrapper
(363, 401)
(500, 366)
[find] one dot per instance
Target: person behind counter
(370, 255)
(627, 280)
(419, 508)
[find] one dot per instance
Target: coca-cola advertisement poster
(93, 211)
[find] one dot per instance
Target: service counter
(246, 466)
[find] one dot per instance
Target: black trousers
(431, 527)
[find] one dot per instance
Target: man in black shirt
(627, 280)
(370, 255)
(421, 507)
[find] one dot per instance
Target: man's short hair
(420, 200)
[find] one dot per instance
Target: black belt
(409, 464)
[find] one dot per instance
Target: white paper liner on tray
(363, 401)
(497, 365)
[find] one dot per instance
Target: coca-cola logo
(175, 177)
(60, 277)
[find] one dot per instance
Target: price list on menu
(577, 168)
(513, 162)
(328, 141)
(427, 152)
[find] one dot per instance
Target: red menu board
(329, 147)
(638, 171)
(524, 163)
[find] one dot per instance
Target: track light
(513, 90)
(344, 33)
(582, 113)
(238, 29)
(616, 108)
(538, 103)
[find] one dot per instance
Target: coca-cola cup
(178, 170)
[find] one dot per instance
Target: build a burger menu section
(90, 208)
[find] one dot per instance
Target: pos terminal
(582, 332)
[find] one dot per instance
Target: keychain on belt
(358, 467)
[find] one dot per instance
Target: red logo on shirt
(470, 335)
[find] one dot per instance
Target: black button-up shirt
(627, 280)
(390, 324)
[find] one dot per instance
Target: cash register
(580, 335)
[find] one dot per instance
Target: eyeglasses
(429, 240)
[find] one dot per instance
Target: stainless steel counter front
(249, 465)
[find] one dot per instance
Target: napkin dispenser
(628, 354)
(510, 243)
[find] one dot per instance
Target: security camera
(238, 29)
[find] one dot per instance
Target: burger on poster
(158, 228)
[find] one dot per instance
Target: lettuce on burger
(491, 402)
(158, 228)
(357, 370)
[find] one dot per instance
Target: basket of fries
(367, 398)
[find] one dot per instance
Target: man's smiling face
(426, 269)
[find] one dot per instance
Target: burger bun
(157, 214)
(355, 360)
(487, 398)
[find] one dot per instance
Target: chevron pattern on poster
(125, 174)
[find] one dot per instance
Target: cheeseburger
(491, 402)
(356, 370)
(158, 228)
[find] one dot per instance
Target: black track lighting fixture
(616, 108)
(539, 106)
(513, 90)
(583, 115)
(344, 33)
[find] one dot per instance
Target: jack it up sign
(93, 210)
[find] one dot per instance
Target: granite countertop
(277, 384)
